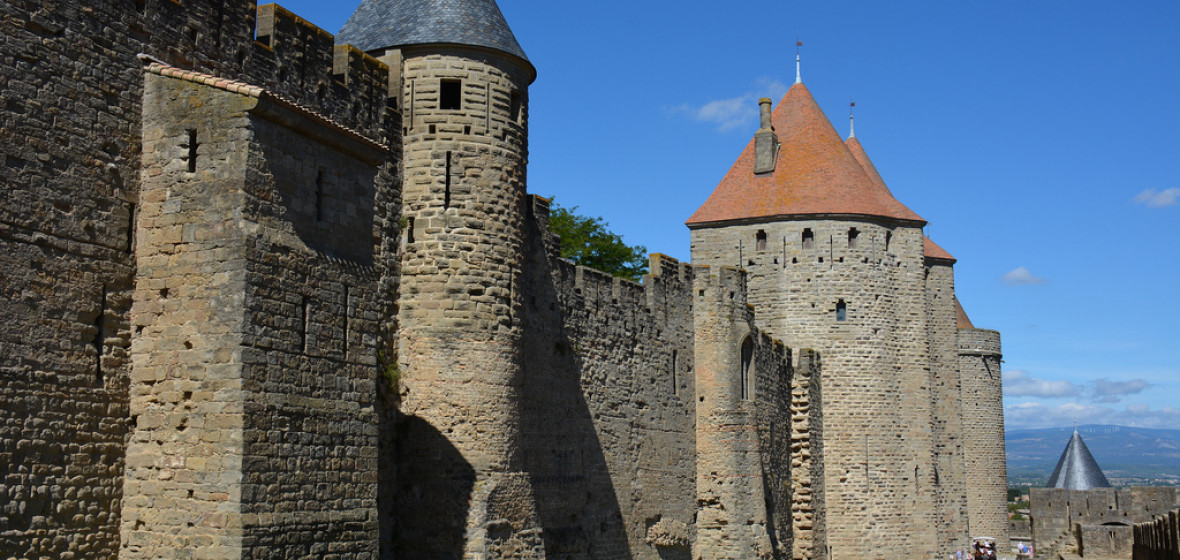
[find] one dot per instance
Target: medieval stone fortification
(269, 296)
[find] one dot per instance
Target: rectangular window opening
(852, 235)
(450, 95)
(808, 239)
(409, 230)
(841, 311)
(760, 239)
(514, 107)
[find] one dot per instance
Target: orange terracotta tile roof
(815, 173)
(933, 251)
(862, 158)
(961, 318)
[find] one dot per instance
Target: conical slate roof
(1077, 469)
(378, 24)
(815, 173)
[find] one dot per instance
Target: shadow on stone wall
(576, 500)
(432, 502)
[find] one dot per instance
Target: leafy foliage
(588, 241)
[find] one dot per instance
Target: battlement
(979, 342)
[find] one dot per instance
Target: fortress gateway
(269, 293)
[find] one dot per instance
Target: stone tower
(464, 83)
(837, 264)
(983, 416)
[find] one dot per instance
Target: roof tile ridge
(250, 90)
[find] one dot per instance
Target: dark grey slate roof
(378, 24)
(1077, 469)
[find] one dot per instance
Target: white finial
(798, 74)
(851, 123)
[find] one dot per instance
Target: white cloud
(1106, 391)
(1021, 277)
(1017, 383)
(1038, 415)
(734, 112)
(1156, 199)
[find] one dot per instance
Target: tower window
(852, 234)
(760, 239)
(514, 107)
(747, 361)
(450, 95)
(888, 238)
(841, 311)
(808, 239)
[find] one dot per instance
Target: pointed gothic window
(841, 311)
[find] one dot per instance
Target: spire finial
(798, 74)
(851, 123)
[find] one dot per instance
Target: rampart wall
(1056, 512)
(1158, 539)
(73, 90)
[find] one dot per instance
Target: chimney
(765, 141)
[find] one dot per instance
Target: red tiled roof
(962, 321)
(815, 173)
(862, 158)
(931, 250)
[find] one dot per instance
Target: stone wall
(257, 315)
(1158, 539)
(950, 480)
(1057, 512)
(460, 346)
(983, 426)
(71, 127)
(805, 276)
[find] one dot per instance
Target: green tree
(588, 241)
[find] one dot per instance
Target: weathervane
(798, 75)
(851, 124)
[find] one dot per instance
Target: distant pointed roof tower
(1077, 469)
(379, 24)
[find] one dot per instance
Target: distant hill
(1128, 456)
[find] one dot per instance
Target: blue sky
(1039, 139)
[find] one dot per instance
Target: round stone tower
(463, 81)
(836, 263)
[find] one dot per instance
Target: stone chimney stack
(765, 141)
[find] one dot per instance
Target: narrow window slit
(347, 319)
(447, 185)
(747, 361)
(319, 196)
(192, 150)
(410, 230)
(306, 323)
(131, 227)
(100, 336)
(841, 311)
(675, 389)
